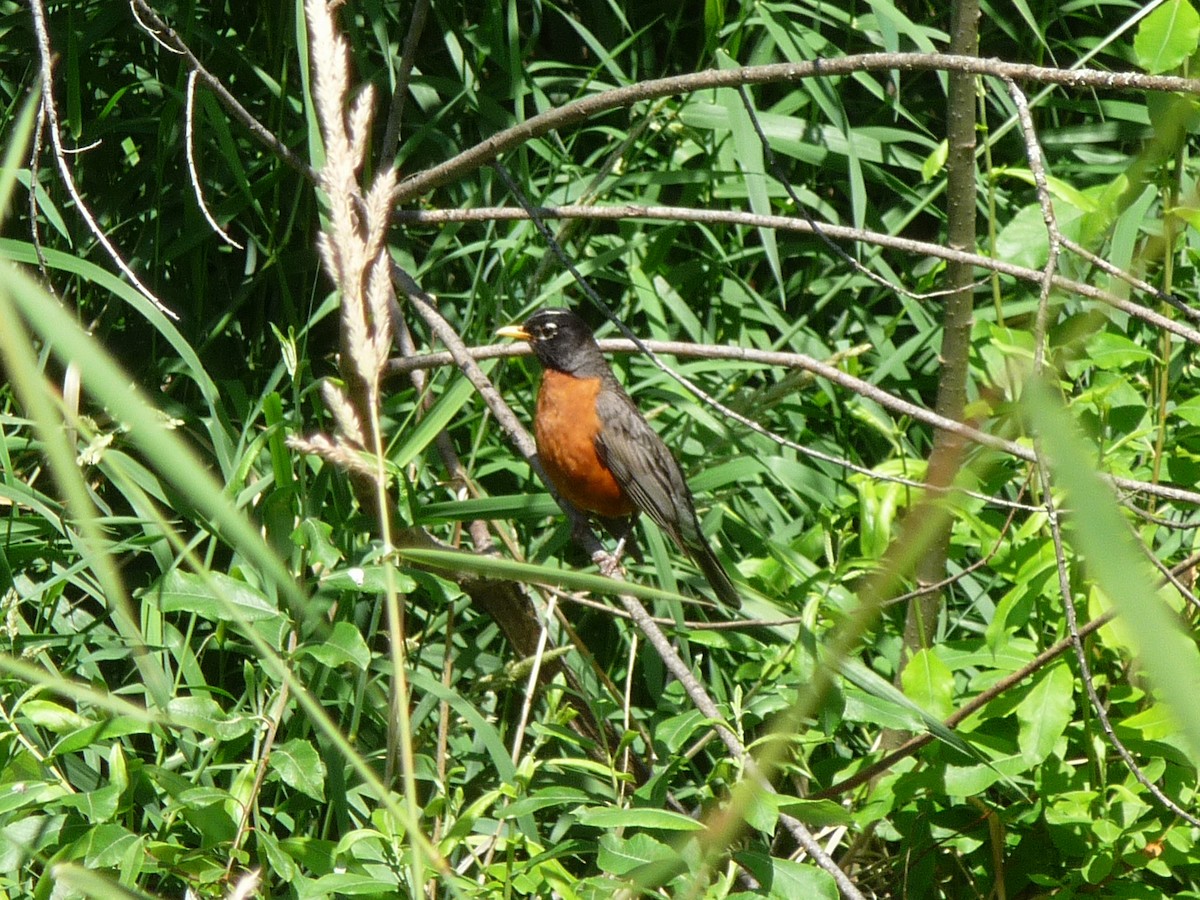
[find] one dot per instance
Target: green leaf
(20, 840)
(879, 505)
(760, 811)
(555, 795)
(1174, 117)
(663, 819)
(969, 781)
(53, 716)
(714, 21)
(99, 805)
(352, 884)
(929, 683)
(300, 766)
(105, 845)
(1045, 713)
(863, 707)
(505, 506)
(367, 580)
(344, 645)
(882, 689)
(619, 856)
(282, 865)
(787, 880)
(203, 714)
(794, 879)
(315, 538)
(212, 597)
(1189, 214)
(1167, 37)
(23, 794)
(1115, 351)
(674, 732)
(105, 730)
(935, 161)
(1098, 867)
(1023, 240)
(818, 813)
(752, 162)
(1153, 724)
(1058, 189)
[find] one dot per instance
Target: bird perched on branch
(598, 450)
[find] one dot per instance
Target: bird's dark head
(561, 340)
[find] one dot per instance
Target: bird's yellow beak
(516, 332)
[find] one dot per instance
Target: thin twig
(35, 165)
(60, 156)
(408, 58)
(973, 567)
(832, 374)
(1171, 578)
(1033, 152)
(781, 177)
(188, 119)
(273, 719)
(1085, 671)
(1130, 279)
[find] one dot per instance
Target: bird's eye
(549, 330)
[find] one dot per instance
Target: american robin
(598, 450)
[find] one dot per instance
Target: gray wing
(651, 477)
(645, 467)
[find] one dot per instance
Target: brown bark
(921, 620)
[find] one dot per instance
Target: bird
(599, 451)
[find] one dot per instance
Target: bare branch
(789, 223)
(1033, 153)
(782, 73)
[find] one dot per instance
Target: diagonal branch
(148, 18)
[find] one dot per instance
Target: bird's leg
(622, 530)
(620, 548)
(581, 533)
(610, 563)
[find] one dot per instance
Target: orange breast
(565, 428)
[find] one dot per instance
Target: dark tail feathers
(704, 557)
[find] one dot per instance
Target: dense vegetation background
(220, 657)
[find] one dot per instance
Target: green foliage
(1168, 37)
(196, 678)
